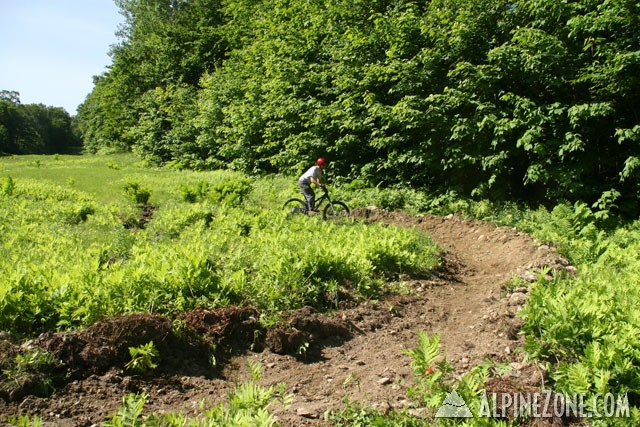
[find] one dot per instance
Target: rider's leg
(308, 194)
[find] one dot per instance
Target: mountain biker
(312, 176)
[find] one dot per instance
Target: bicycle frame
(320, 200)
(333, 209)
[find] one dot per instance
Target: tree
(33, 128)
(531, 99)
(163, 43)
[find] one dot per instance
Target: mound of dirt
(304, 327)
(231, 328)
(355, 353)
(106, 343)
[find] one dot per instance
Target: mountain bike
(333, 209)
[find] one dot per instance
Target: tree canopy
(33, 128)
(531, 100)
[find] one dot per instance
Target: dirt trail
(464, 302)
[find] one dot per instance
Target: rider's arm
(317, 181)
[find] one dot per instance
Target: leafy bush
(7, 186)
(392, 199)
(136, 193)
(194, 193)
(230, 192)
(79, 213)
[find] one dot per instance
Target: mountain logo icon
(454, 406)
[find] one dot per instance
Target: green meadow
(89, 237)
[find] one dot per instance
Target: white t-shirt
(314, 171)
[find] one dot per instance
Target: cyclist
(312, 176)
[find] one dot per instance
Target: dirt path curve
(466, 305)
(465, 302)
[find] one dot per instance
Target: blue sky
(51, 49)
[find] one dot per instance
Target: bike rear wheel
(295, 207)
(336, 210)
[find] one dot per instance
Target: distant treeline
(531, 100)
(34, 128)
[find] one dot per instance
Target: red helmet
(321, 162)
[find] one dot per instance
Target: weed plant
(29, 370)
(143, 358)
(23, 421)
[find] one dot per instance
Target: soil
(354, 353)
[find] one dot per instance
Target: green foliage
(8, 185)
(392, 199)
(139, 195)
(24, 421)
(194, 193)
(231, 192)
(256, 370)
(30, 369)
(145, 98)
(430, 372)
(64, 268)
(128, 415)
(33, 128)
(248, 406)
(588, 323)
(528, 100)
(143, 358)
(358, 416)
(585, 327)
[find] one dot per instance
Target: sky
(51, 49)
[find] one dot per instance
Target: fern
(129, 414)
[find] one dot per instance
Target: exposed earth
(354, 353)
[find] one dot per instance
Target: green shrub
(194, 193)
(230, 192)
(7, 186)
(248, 406)
(391, 199)
(136, 193)
(21, 420)
(79, 213)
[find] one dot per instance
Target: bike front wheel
(336, 210)
(295, 207)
